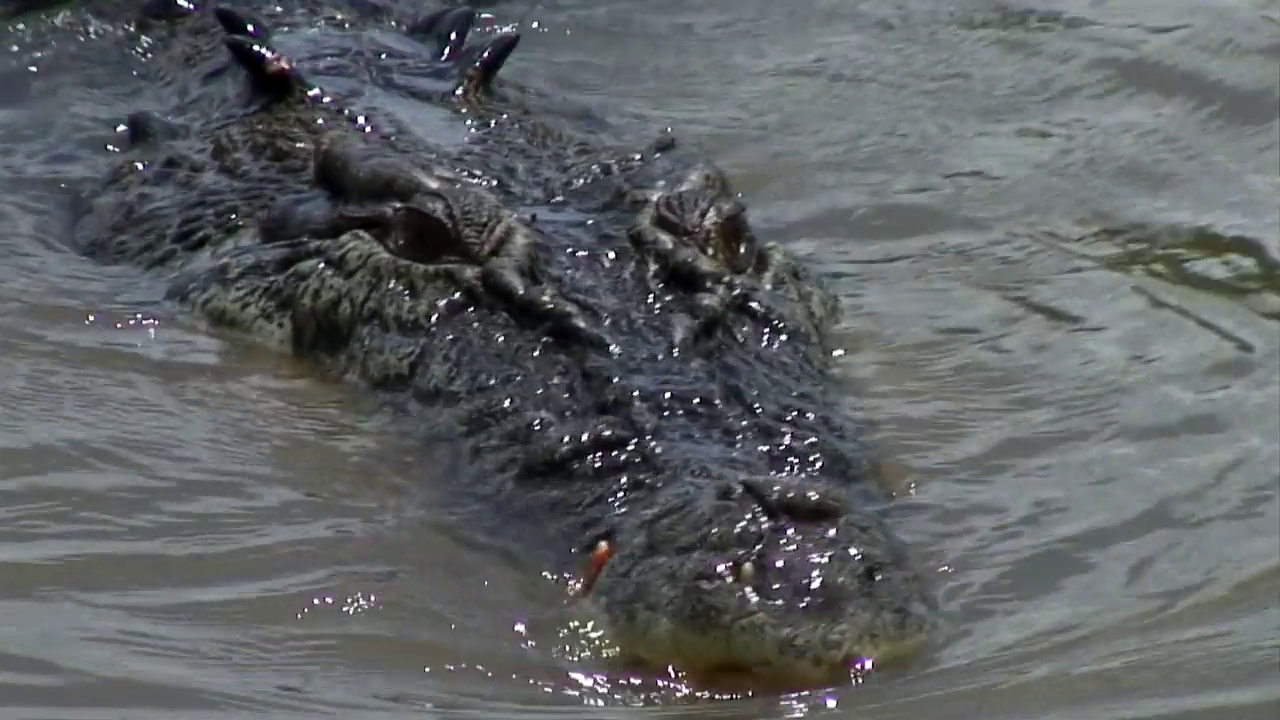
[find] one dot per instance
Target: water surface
(1057, 239)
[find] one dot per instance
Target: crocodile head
(767, 578)
(783, 579)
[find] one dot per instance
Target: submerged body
(652, 378)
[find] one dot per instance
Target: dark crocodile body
(642, 371)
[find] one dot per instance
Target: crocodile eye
(745, 572)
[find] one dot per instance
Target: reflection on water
(1056, 237)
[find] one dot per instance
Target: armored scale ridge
(641, 381)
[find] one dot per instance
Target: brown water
(1058, 245)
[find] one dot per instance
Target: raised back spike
(242, 24)
(478, 75)
(270, 72)
(167, 10)
(447, 29)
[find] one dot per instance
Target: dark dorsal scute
(447, 28)
(490, 60)
(235, 22)
(270, 72)
(145, 128)
(167, 10)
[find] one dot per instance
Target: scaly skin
(734, 493)
(205, 165)
(695, 235)
(463, 236)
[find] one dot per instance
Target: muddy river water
(1056, 234)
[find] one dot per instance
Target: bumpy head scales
(698, 230)
(236, 22)
(704, 209)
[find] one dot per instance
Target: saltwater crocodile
(723, 494)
